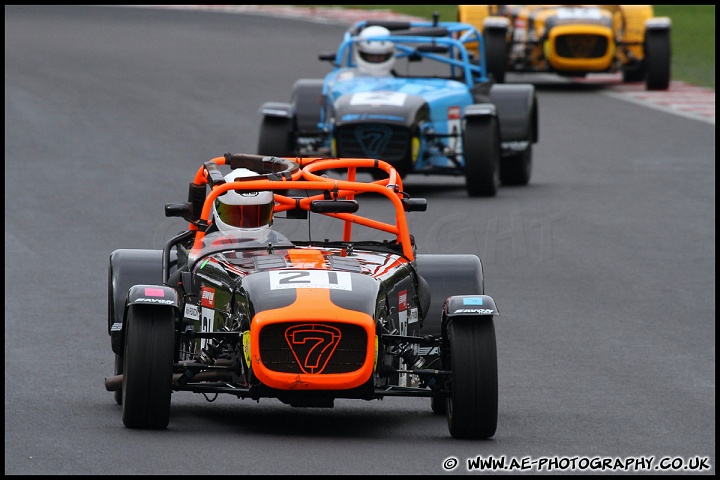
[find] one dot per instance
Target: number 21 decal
(282, 279)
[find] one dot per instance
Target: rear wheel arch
(447, 275)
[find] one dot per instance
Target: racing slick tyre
(401, 170)
(111, 319)
(438, 405)
(657, 59)
(481, 150)
(496, 53)
(276, 137)
(473, 403)
(148, 367)
(118, 371)
(633, 73)
(307, 103)
(516, 169)
(572, 74)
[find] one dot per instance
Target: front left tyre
(472, 407)
(496, 53)
(148, 366)
(657, 59)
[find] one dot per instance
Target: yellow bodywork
(534, 49)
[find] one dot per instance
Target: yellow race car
(574, 40)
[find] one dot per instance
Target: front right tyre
(148, 366)
(276, 137)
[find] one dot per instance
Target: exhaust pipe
(114, 383)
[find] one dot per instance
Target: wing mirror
(334, 206)
(183, 210)
(414, 204)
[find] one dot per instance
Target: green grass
(692, 37)
(693, 42)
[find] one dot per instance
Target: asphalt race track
(603, 268)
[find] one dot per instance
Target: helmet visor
(376, 57)
(245, 216)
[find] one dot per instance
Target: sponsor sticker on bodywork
(481, 311)
(207, 297)
(192, 312)
(402, 301)
(154, 300)
(413, 317)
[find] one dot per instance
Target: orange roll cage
(306, 178)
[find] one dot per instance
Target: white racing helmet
(375, 57)
(243, 211)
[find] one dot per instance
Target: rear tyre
(473, 404)
(377, 174)
(438, 405)
(276, 137)
(118, 371)
(481, 151)
(111, 319)
(572, 74)
(633, 73)
(657, 59)
(496, 53)
(148, 367)
(516, 169)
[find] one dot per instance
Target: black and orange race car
(574, 40)
(346, 309)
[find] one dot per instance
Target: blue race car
(416, 95)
